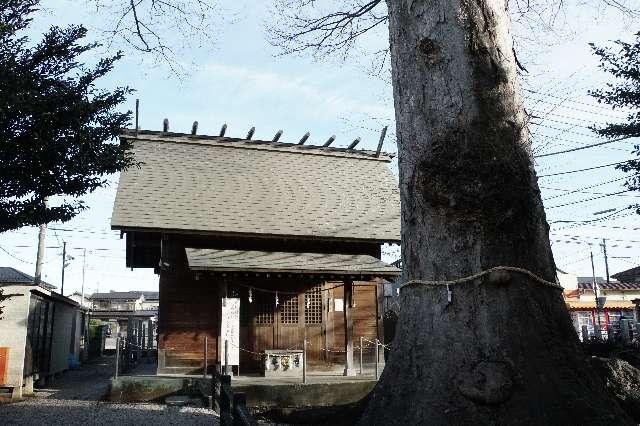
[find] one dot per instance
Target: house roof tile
(10, 276)
(613, 285)
(628, 275)
(117, 295)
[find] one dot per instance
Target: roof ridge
(256, 144)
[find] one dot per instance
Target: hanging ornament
(308, 301)
(276, 298)
(250, 297)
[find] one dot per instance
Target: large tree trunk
(503, 351)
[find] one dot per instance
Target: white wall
(149, 305)
(568, 281)
(13, 332)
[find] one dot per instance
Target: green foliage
(57, 129)
(624, 65)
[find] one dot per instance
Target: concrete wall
(13, 334)
(65, 316)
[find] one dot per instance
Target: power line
(575, 261)
(570, 117)
(625, 228)
(561, 122)
(596, 238)
(561, 130)
(594, 243)
(14, 256)
(596, 106)
(568, 192)
(575, 224)
(590, 220)
(585, 200)
(598, 113)
(580, 148)
(584, 170)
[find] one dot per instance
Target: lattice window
(289, 311)
(313, 306)
(264, 313)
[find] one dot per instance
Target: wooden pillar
(349, 369)
(380, 312)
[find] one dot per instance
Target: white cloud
(307, 94)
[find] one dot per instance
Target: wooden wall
(365, 314)
(189, 310)
(190, 306)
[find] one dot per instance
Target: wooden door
(262, 323)
(288, 324)
(314, 324)
(4, 365)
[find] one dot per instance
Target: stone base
(27, 388)
(350, 372)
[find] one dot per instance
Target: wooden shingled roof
(227, 186)
(284, 262)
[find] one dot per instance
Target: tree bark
(503, 351)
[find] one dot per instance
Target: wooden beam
(382, 136)
(349, 369)
(277, 136)
(329, 141)
(354, 143)
(304, 138)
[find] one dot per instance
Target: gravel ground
(74, 399)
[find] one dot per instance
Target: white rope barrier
(481, 274)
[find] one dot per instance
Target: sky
(236, 77)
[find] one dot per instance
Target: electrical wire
(586, 169)
(596, 106)
(569, 192)
(580, 148)
(585, 200)
(14, 256)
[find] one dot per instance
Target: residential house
(631, 279)
(42, 333)
(150, 301)
(616, 298)
(292, 232)
(81, 299)
(129, 314)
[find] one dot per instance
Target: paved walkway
(75, 399)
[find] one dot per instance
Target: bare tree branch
(153, 26)
(301, 25)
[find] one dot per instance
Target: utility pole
(40, 256)
(594, 285)
(64, 261)
(84, 264)
(606, 260)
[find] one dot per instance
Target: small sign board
(230, 330)
(388, 290)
